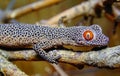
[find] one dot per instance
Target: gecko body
(41, 38)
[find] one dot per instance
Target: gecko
(42, 38)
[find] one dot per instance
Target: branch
(9, 69)
(86, 7)
(31, 7)
(109, 57)
(83, 8)
(59, 70)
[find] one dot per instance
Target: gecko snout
(102, 40)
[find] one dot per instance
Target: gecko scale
(41, 38)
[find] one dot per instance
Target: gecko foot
(53, 56)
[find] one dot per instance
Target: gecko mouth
(99, 48)
(84, 48)
(78, 48)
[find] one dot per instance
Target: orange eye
(88, 35)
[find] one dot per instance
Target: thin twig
(59, 70)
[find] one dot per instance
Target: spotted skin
(41, 38)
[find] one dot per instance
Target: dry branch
(9, 69)
(83, 8)
(31, 7)
(109, 57)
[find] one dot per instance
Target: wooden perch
(109, 57)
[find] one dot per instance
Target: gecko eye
(88, 35)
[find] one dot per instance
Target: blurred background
(108, 20)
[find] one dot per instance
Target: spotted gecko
(42, 38)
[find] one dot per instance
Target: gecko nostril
(105, 40)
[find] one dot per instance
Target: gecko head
(90, 36)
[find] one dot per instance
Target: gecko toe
(53, 56)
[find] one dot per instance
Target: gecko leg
(51, 56)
